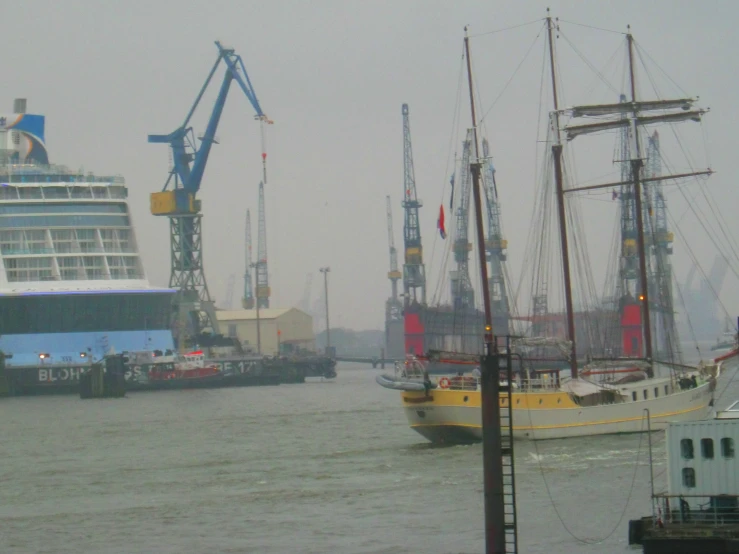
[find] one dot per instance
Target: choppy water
(312, 468)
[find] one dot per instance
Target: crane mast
(248, 301)
(393, 305)
(665, 329)
(496, 246)
(414, 272)
(263, 290)
(177, 200)
(463, 296)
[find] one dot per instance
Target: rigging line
(640, 50)
(693, 207)
(530, 233)
(733, 376)
(588, 90)
(695, 261)
(704, 222)
(685, 309)
(589, 64)
(556, 509)
(450, 148)
(708, 163)
(515, 72)
(591, 27)
(507, 28)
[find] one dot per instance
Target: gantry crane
(495, 247)
(248, 301)
(263, 290)
(414, 272)
(178, 197)
(393, 305)
(463, 295)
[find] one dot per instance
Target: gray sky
(333, 76)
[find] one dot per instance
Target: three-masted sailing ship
(607, 395)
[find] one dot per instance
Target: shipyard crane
(414, 272)
(393, 305)
(661, 241)
(629, 266)
(178, 197)
(263, 290)
(463, 295)
(248, 301)
(495, 246)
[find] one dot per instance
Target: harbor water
(319, 467)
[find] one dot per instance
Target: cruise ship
(72, 283)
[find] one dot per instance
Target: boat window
(656, 392)
(689, 477)
(667, 391)
(727, 447)
(707, 448)
(686, 448)
(633, 395)
(645, 394)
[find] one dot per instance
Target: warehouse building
(281, 330)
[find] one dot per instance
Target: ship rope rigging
(575, 223)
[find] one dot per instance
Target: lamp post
(325, 271)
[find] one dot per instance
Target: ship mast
(557, 154)
(636, 165)
(492, 448)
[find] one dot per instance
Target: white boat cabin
(701, 457)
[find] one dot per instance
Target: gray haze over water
(313, 468)
(333, 76)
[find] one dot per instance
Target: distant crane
(263, 290)
(393, 305)
(247, 302)
(229, 304)
(495, 246)
(463, 295)
(177, 199)
(414, 272)
(665, 329)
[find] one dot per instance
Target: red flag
(440, 222)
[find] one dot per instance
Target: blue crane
(177, 200)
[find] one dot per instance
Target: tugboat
(191, 369)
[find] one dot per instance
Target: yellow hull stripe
(564, 425)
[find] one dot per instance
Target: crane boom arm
(191, 176)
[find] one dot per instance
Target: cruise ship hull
(234, 372)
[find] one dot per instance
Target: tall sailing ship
(628, 376)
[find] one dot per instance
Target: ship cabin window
(727, 447)
(707, 449)
(645, 394)
(633, 395)
(686, 448)
(656, 392)
(232, 330)
(689, 477)
(667, 390)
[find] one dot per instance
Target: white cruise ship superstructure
(72, 284)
